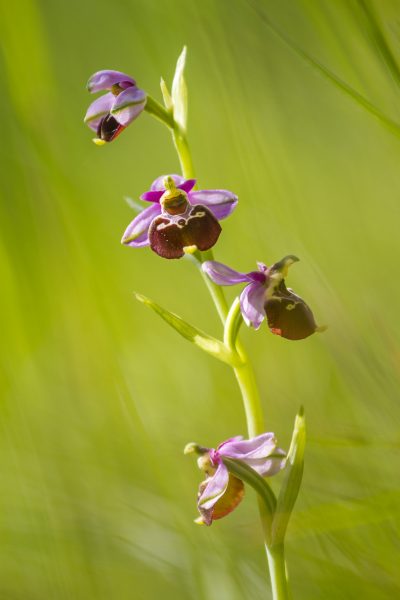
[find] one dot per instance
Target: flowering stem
(277, 571)
(182, 149)
(251, 398)
(244, 375)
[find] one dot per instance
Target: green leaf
(166, 95)
(293, 474)
(179, 92)
(196, 336)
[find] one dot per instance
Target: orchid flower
(179, 219)
(221, 492)
(266, 295)
(109, 114)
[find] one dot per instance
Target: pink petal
(187, 185)
(266, 467)
(158, 188)
(151, 196)
(260, 453)
(221, 202)
(258, 447)
(137, 232)
(252, 301)
(223, 275)
(104, 80)
(98, 109)
(215, 488)
(128, 105)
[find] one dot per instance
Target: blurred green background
(99, 397)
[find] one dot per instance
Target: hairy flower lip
(173, 236)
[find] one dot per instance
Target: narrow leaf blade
(196, 336)
(293, 474)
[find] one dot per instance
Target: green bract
(293, 474)
(196, 336)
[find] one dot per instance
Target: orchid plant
(182, 221)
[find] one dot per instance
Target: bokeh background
(295, 106)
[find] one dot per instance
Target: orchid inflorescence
(182, 221)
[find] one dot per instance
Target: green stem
(182, 149)
(245, 377)
(244, 372)
(157, 110)
(277, 571)
(251, 398)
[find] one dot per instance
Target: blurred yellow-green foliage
(293, 105)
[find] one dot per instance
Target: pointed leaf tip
(179, 92)
(166, 95)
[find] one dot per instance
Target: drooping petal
(128, 105)
(252, 301)
(98, 109)
(104, 80)
(221, 202)
(215, 488)
(223, 275)
(137, 232)
(260, 453)
(266, 467)
(256, 447)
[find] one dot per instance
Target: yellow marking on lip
(190, 249)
